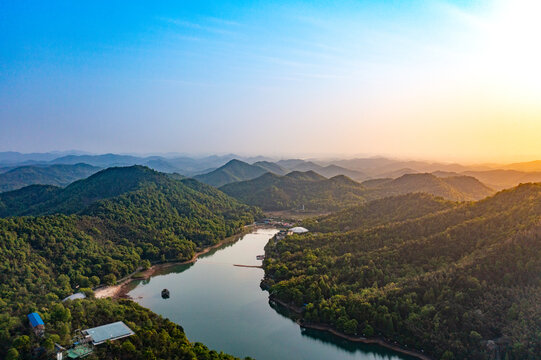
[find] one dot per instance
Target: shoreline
(120, 289)
(358, 339)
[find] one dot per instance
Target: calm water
(222, 306)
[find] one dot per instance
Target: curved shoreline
(358, 339)
(364, 340)
(120, 289)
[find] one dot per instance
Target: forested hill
(234, 170)
(170, 217)
(458, 188)
(95, 231)
(379, 212)
(316, 193)
(458, 281)
(297, 189)
(59, 175)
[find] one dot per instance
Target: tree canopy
(455, 280)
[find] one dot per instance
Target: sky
(445, 80)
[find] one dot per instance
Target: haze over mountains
(19, 170)
(60, 175)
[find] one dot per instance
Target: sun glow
(513, 49)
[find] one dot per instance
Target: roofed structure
(35, 320)
(109, 332)
(75, 296)
(37, 323)
(298, 230)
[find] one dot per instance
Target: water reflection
(223, 307)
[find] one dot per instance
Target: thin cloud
(197, 26)
(224, 21)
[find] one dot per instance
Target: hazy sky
(456, 80)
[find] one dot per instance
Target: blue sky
(253, 77)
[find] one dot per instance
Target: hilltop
(233, 171)
(458, 188)
(295, 190)
(317, 193)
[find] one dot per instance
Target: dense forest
(94, 232)
(317, 193)
(456, 280)
(297, 189)
(458, 188)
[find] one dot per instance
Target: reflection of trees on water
(378, 352)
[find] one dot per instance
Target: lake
(223, 307)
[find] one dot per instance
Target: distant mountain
(444, 174)
(327, 171)
(503, 179)
(160, 164)
(13, 157)
(530, 166)
(105, 160)
(305, 176)
(60, 175)
(297, 190)
(290, 163)
(184, 165)
(191, 166)
(397, 173)
(459, 188)
(233, 171)
(384, 167)
(316, 193)
(271, 167)
(335, 170)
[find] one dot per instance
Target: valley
(385, 260)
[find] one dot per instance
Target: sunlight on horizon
(451, 80)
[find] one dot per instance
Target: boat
(165, 294)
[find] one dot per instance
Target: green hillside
(455, 280)
(97, 230)
(59, 175)
(233, 171)
(316, 193)
(271, 167)
(297, 189)
(458, 188)
(380, 212)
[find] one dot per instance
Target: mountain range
(313, 192)
(219, 170)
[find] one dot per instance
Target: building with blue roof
(36, 323)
